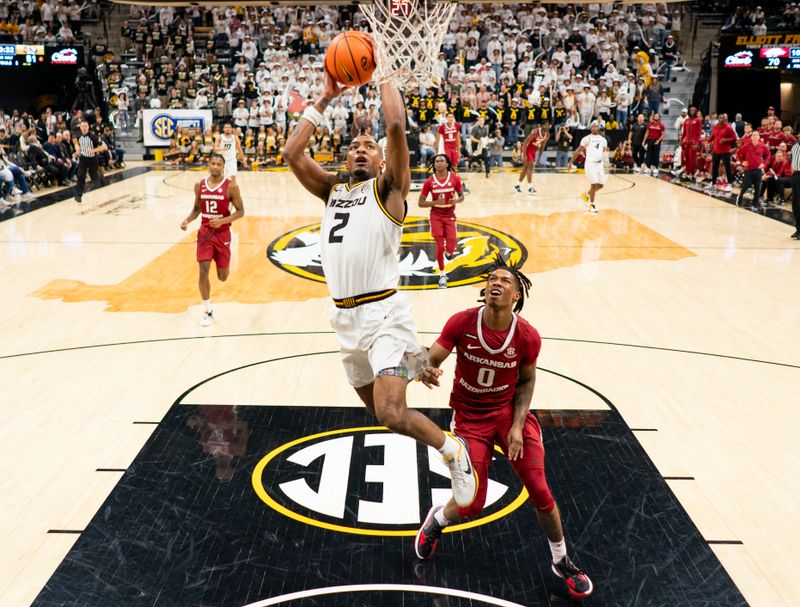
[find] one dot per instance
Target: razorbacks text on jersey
(488, 362)
(443, 192)
(359, 241)
(214, 203)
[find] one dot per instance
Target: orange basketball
(349, 58)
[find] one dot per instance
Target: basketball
(350, 59)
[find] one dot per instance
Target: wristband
(313, 116)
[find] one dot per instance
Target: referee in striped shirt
(89, 146)
(796, 188)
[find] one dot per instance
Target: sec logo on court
(369, 481)
(298, 252)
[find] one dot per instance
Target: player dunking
(595, 147)
(227, 144)
(360, 239)
(532, 147)
(445, 186)
(213, 197)
(492, 390)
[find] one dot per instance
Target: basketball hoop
(408, 35)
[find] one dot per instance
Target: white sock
(440, 518)
(207, 305)
(558, 549)
(450, 447)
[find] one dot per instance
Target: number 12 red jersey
(488, 362)
(214, 203)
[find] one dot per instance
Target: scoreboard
(30, 55)
(16, 55)
(765, 58)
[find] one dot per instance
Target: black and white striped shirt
(796, 157)
(88, 142)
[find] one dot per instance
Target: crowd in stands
(503, 69)
(45, 22)
(41, 153)
(514, 65)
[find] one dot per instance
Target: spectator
(655, 135)
(738, 126)
(654, 95)
(496, 145)
(778, 176)
(563, 146)
(755, 158)
(636, 137)
(670, 53)
(723, 137)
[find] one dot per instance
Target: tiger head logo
(298, 252)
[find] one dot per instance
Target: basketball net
(408, 35)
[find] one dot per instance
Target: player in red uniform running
(213, 197)
(445, 186)
(450, 133)
(492, 390)
(534, 142)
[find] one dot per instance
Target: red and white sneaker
(578, 583)
(428, 535)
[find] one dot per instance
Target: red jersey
(774, 138)
(443, 192)
(214, 203)
(724, 136)
(538, 138)
(487, 363)
(781, 168)
(693, 129)
(449, 134)
(655, 130)
(753, 155)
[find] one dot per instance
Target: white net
(408, 35)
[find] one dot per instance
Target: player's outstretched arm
(436, 356)
(396, 177)
(310, 174)
(195, 209)
(523, 396)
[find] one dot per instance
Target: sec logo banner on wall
(161, 125)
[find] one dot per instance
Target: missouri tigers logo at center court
(298, 252)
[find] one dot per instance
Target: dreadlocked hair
(523, 282)
(450, 166)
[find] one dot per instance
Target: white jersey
(595, 146)
(359, 241)
(227, 146)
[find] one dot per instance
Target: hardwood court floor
(680, 310)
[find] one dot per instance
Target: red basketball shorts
(481, 438)
(214, 245)
(453, 153)
(444, 226)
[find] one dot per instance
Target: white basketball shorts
(231, 168)
(595, 172)
(377, 336)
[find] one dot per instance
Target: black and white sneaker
(578, 583)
